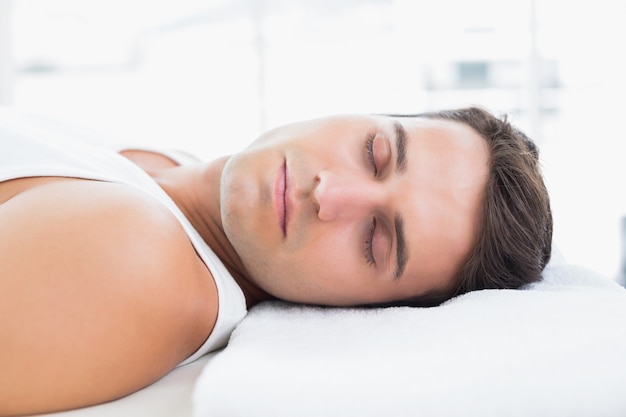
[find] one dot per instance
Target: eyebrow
(400, 146)
(401, 253)
(401, 250)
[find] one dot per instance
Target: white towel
(557, 348)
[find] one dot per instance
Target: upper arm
(89, 307)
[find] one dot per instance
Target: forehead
(447, 169)
(453, 149)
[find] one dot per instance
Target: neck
(196, 191)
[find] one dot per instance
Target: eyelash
(369, 148)
(369, 253)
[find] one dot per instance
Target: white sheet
(555, 349)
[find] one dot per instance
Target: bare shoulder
(89, 221)
(98, 282)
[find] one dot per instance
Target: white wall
(6, 59)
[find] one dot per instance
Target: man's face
(351, 210)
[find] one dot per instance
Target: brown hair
(514, 240)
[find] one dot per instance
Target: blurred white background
(208, 76)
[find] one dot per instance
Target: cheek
(321, 271)
(332, 249)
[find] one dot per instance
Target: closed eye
(369, 150)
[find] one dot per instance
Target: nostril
(316, 193)
(321, 198)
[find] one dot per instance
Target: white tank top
(32, 147)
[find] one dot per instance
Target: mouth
(280, 196)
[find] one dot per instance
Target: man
(111, 277)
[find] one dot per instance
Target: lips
(280, 192)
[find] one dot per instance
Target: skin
(101, 292)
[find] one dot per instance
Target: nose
(341, 197)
